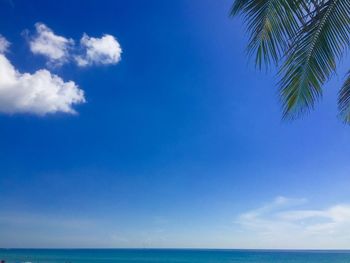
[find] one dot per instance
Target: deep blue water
(170, 256)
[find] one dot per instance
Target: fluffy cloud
(99, 51)
(42, 92)
(39, 93)
(46, 43)
(4, 44)
(59, 50)
(280, 224)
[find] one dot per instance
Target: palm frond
(344, 100)
(238, 6)
(313, 58)
(270, 24)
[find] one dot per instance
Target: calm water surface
(170, 256)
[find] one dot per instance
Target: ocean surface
(170, 256)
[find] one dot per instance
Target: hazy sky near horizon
(151, 128)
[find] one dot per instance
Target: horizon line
(173, 248)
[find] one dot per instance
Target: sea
(171, 256)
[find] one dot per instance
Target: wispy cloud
(4, 44)
(281, 224)
(40, 220)
(20, 229)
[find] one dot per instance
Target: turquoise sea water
(170, 256)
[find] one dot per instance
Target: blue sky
(179, 143)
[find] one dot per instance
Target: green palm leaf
(313, 58)
(344, 100)
(307, 38)
(271, 24)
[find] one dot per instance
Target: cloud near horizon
(283, 224)
(39, 93)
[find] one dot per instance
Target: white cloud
(280, 225)
(4, 44)
(99, 51)
(59, 50)
(39, 93)
(42, 92)
(46, 43)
